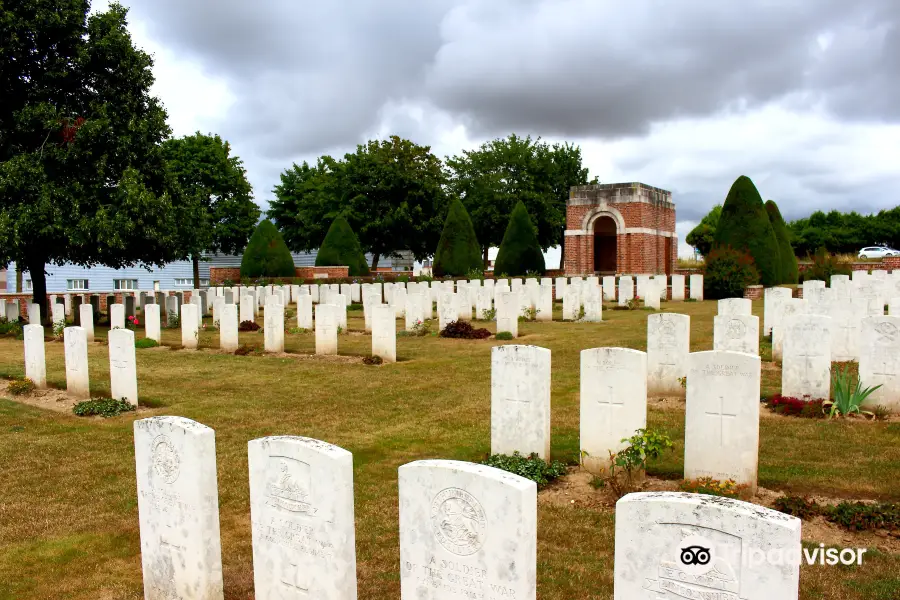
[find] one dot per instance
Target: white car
(878, 252)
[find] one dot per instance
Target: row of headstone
(721, 419)
(466, 530)
(122, 362)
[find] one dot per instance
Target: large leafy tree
(745, 226)
(266, 254)
(491, 180)
(789, 268)
(341, 248)
(703, 236)
(458, 251)
(82, 176)
(215, 182)
(392, 193)
(845, 232)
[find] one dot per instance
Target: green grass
(68, 508)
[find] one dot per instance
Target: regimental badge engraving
(166, 462)
(736, 329)
(288, 485)
(458, 521)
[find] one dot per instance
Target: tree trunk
(562, 251)
(38, 287)
(484, 256)
(196, 261)
(18, 279)
(375, 257)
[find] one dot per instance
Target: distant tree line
(836, 232)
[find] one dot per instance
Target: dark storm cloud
(309, 75)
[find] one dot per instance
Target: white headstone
(413, 312)
(86, 319)
(508, 313)
(736, 333)
(122, 366)
(673, 545)
(35, 363)
(789, 307)
(561, 285)
(305, 312)
(592, 299)
(483, 301)
(845, 331)
(178, 508)
(326, 329)
(339, 301)
(520, 400)
(613, 402)
(117, 316)
(668, 346)
(466, 531)
(34, 314)
(247, 309)
(735, 306)
(626, 290)
(721, 438)
(879, 362)
(609, 288)
(696, 287)
(572, 303)
(384, 333)
(77, 375)
(677, 288)
(806, 366)
(228, 328)
(448, 309)
(190, 332)
(773, 299)
(171, 309)
(152, 328)
(12, 310)
(301, 513)
(273, 319)
(545, 303)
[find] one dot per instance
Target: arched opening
(605, 248)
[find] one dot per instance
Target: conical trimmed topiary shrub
(744, 225)
(519, 251)
(341, 248)
(458, 250)
(789, 271)
(266, 254)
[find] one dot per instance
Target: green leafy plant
(104, 407)
(727, 272)
(173, 321)
(20, 386)
(823, 266)
(475, 273)
(862, 516)
(59, 328)
(10, 328)
(146, 343)
(504, 335)
(529, 314)
(372, 360)
(531, 467)
(340, 330)
(488, 314)
(297, 330)
(245, 349)
(683, 382)
(464, 330)
(797, 506)
(631, 461)
(266, 254)
(847, 397)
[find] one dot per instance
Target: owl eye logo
(695, 555)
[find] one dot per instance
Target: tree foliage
(789, 270)
(341, 248)
(266, 254)
(491, 180)
(391, 192)
(727, 272)
(82, 176)
(216, 183)
(520, 252)
(458, 251)
(703, 236)
(845, 232)
(744, 226)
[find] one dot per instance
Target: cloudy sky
(803, 96)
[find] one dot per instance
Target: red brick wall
(218, 275)
(332, 272)
(753, 292)
(636, 252)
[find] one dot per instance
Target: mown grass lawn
(68, 508)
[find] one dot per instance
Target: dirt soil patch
(51, 399)
(575, 490)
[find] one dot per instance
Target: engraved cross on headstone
(885, 372)
(722, 415)
(610, 403)
(118, 360)
(294, 578)
(513, 388)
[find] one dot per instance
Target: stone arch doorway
(606, 254)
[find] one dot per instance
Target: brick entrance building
(620, 228)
